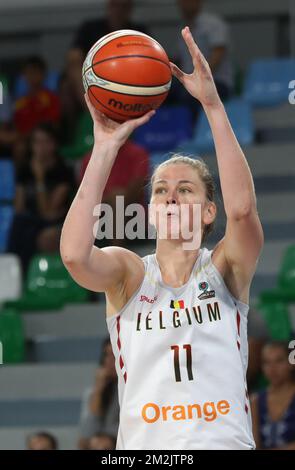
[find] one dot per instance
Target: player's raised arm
(236, 255)
(93, 268)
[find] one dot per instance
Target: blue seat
(21, 86)
(240, 115)
(6, 218)
(267, 81)
(166, 130)
(7, 180)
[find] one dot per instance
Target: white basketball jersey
(181, 358)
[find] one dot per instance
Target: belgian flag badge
(177, 304)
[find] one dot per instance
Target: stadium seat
(21, 86)
(277, 320)
(285, 290)
(267, 81)
(10, 278)
(7, 181)
(6, 108)
(12, 337)
(49, 286)
(240, 116)
(170, 126)
(6, 218)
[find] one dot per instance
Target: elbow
(243, 212)
(69, 258)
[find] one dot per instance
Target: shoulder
(135, 267)
(132, 263)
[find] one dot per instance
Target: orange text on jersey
(209, 411)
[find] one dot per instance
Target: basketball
(126, 74)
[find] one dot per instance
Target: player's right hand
(108, 131)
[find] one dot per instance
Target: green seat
(83, 141)
(4, 81)
(49, 286)
(285, 291)
(11, 336)
(276, 316)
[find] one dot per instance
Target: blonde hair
(203, 171)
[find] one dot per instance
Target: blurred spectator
(71, 95)
(273, 409)
(40, 105)
(212, 36)
(258, 335)
(42, 441)
(76, 128)
(101, 441)
(128, 178)
(118, 16)
(8, 134)
(44, 188)
(100, 406)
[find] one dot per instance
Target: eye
(160, 190)
(185, 190)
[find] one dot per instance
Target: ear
(209, 213)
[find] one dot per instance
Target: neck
(175, 263)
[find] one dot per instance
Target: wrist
(214, 107)
(110, 146)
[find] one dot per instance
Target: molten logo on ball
(126, 74)
(135, 108)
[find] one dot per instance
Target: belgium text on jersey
(195, 315)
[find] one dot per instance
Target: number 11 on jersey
(188, 349)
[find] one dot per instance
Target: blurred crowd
(46, 129)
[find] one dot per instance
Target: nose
(171, 200)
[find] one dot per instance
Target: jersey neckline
(180, 288)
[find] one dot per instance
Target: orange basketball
(126, 74)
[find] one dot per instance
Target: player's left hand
(200, 84)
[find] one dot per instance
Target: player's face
(275, 365)
(178, 200)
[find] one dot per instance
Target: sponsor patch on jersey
(144, 298)
(177, 304)
(206, 294)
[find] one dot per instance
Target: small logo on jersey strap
(206, 294)
(144, 298)
(177, 304)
